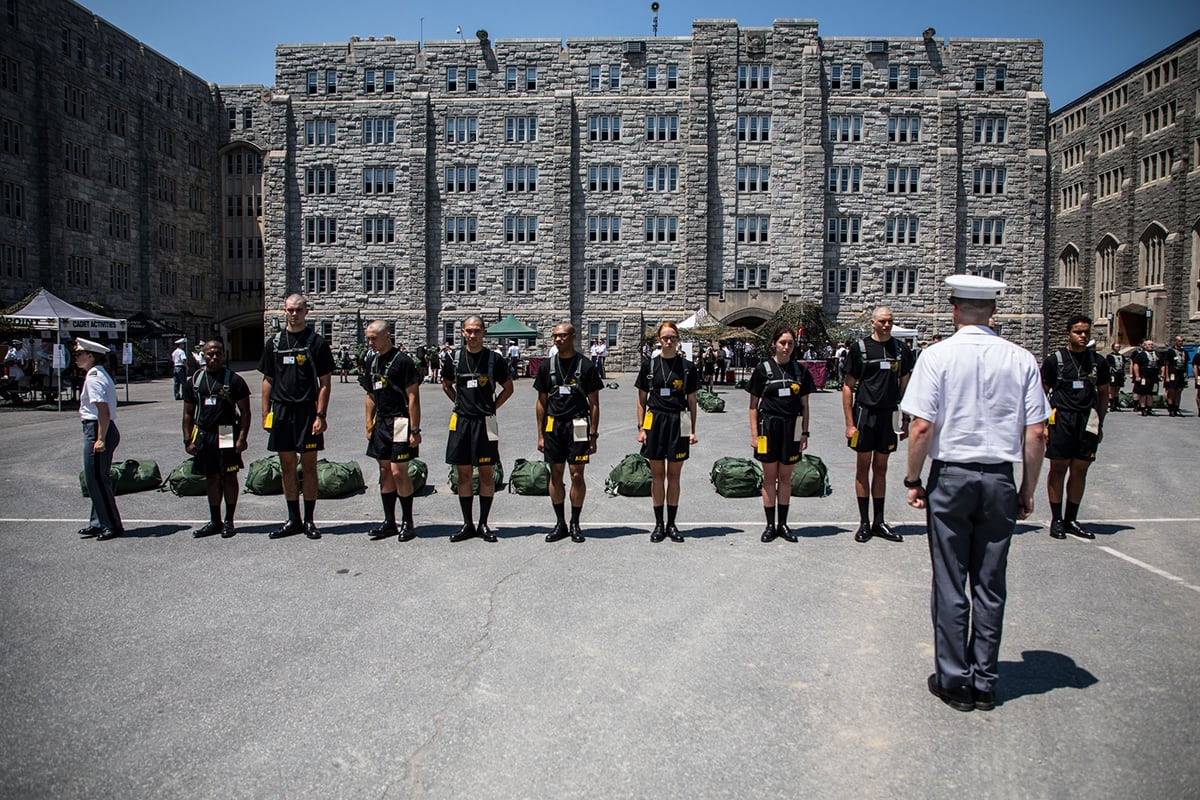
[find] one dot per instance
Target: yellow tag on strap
(454, 422)
(648, 420)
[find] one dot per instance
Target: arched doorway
(1132, 324)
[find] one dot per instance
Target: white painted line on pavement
(1149, 568)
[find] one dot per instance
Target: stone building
(1125, 195)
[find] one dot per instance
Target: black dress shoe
(383, 531)
(290, 528)
(310, 530)
(559, 533)
(1056, 529)
(961, 699)
(209, 529)
(1075, 529)
(465, 532)
(984, 701)
(227, 530)
(785, 533)
(108, 533)
(768, 534)
(405, 532)
(864, 532)
(658, 534)
(577, 533)
(90, 530)
(485, 533)
(673, 533)
(884, 531)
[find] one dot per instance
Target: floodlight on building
(928, 34)
(654, 22)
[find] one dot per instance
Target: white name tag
(1076, 384)
(210, 401)
(225, 437)
(1093, 423)
(564, 390)
(664, 392)
(492, 425)
(579, 429)
(378, 385)
(785, 391)
(885, 365)
(400, 430)
(473, 384)
(685, 424)
(289, 359)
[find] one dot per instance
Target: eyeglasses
(473, 331)
(669, 338)
(561, 335)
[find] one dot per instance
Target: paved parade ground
(158, 665)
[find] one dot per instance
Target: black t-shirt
(558, 373)
(781, 389)
(1176, 362)
(877, 377)
(1116, 366)
(1147, 365)
(475, 392)
(676, 374)
(215, 406)
(387, 377)
(296, 366)
(1073, 378)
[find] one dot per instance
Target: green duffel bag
(337, 479)
(530, 478)
(264, 476)
(418, 472)
(184, 483)
(452, 478)
(810, 478)
(129, 476)
(736, 477)
(630, 477)
(709, 402)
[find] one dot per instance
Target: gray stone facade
(1126, 218)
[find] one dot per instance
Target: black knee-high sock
(658, 515)
(877, 502)
(465, 503)
(310, 506)
(560, 514)
(671, 514)
(1056, 510)
(783, 512)
(770, 512)
(293, 507)
(406, 504)
(1072, 511)
(214, 512)
(485, 507)
(864, 506)
(389, 506)
(575, 512)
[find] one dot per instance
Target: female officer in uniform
(778, 387)
(98, 410)
(666, 387)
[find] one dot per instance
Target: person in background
(1116, 375)
(514, 357)
(1174, 373)
(343, 362)
(179, 366)
(1145, 377)
(98, 411)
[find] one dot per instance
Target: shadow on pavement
(817, 531)
(155, 531)
(716, 530)
(1026, 527)
(1039, 672)
(1107, 528)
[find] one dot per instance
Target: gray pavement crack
(463, 680)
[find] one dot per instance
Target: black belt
(976, 466)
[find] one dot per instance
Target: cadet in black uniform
(393, 423)
(1145, 377)
(1077, 382)
(568, 421)
(666, 425)
(297, 367)
(470, 379)
(779, 427)
(1174, 376)
(1196, 379)
(877, 370)
(1116, 375)
(216, 424)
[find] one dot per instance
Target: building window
(1109, 183)
(460, 279)
(79, 271)
(378, 280)
(1194, 285)
(991, 130)
(651, 76)
(914, 78)
(379, 131)
(991, 273)
(1068, 267)
(845, 129)
(119, 275)
(531, 79)
(330, 81)
(1161, 75)
(1001, 78)
(118, 173)
(318, 280)
(604, 178)
(310, 82)
(75, 158)
(1157, 166)
(321, 230)
(987, 231)
(320, 180)
(660, 279)
(379, 180)
(841, 281)
(662, 229)
(12, 259)
(903, 180)
(1072, 197)
(166, 189)
(520, 179)
(75, 101)
(520, 229)
(520, 279)
(1114, 99)
(989, 180)
(662, 128)
(672, 76)
(604, 229)
(845, 179)
(754, 76)
(1106, 275)
(321, 132)
(894, 76)
(902, 130)
(604, 129)
(1158, 118)
(510, 79)
(900, 230)
(1075, 120)
(1112, 138)
(753, 228)
(451, 79)
(461, 229)
(662, 178)
(1072, 156)
(167, 280)
(166, 142)
(1151, 256)
(900, 281)
(166, 236)
(461, 178)
(10, 136)
(835, 76)
(843, 230)
(389, 80)
(980, 78)
(12, 200)
(754, 128)
(754, 178)
(603, 279)
(117, 120)
(79, 215)
(750, 278)
(10, 74)
(231, 118)
(520, 129)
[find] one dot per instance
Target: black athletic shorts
(875, 431)
(1069, 438)
(663, 442)
(291, 428)
(1145, 387)
(382, 447)
(1175, 381)
(210, 459)
(467, 444)
(777, 440)
(559, 445)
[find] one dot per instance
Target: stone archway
(1131, 324)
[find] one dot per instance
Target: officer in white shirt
(98, 410)
(179, 364)
(978, 407)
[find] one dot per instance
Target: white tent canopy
(47, 311)
(699, 319)
(901, 332)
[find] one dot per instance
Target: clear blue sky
(225, 41)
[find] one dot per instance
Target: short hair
(474, 318)
(213, 340)
(878, 309)
(1078, 318)
(974, 308)
(380, 326)
(667, 324)
(296, 297)
(569, 326)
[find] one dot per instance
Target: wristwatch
(321, 414)
(912, 484)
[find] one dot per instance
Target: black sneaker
(864, 532)
(209, 529)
